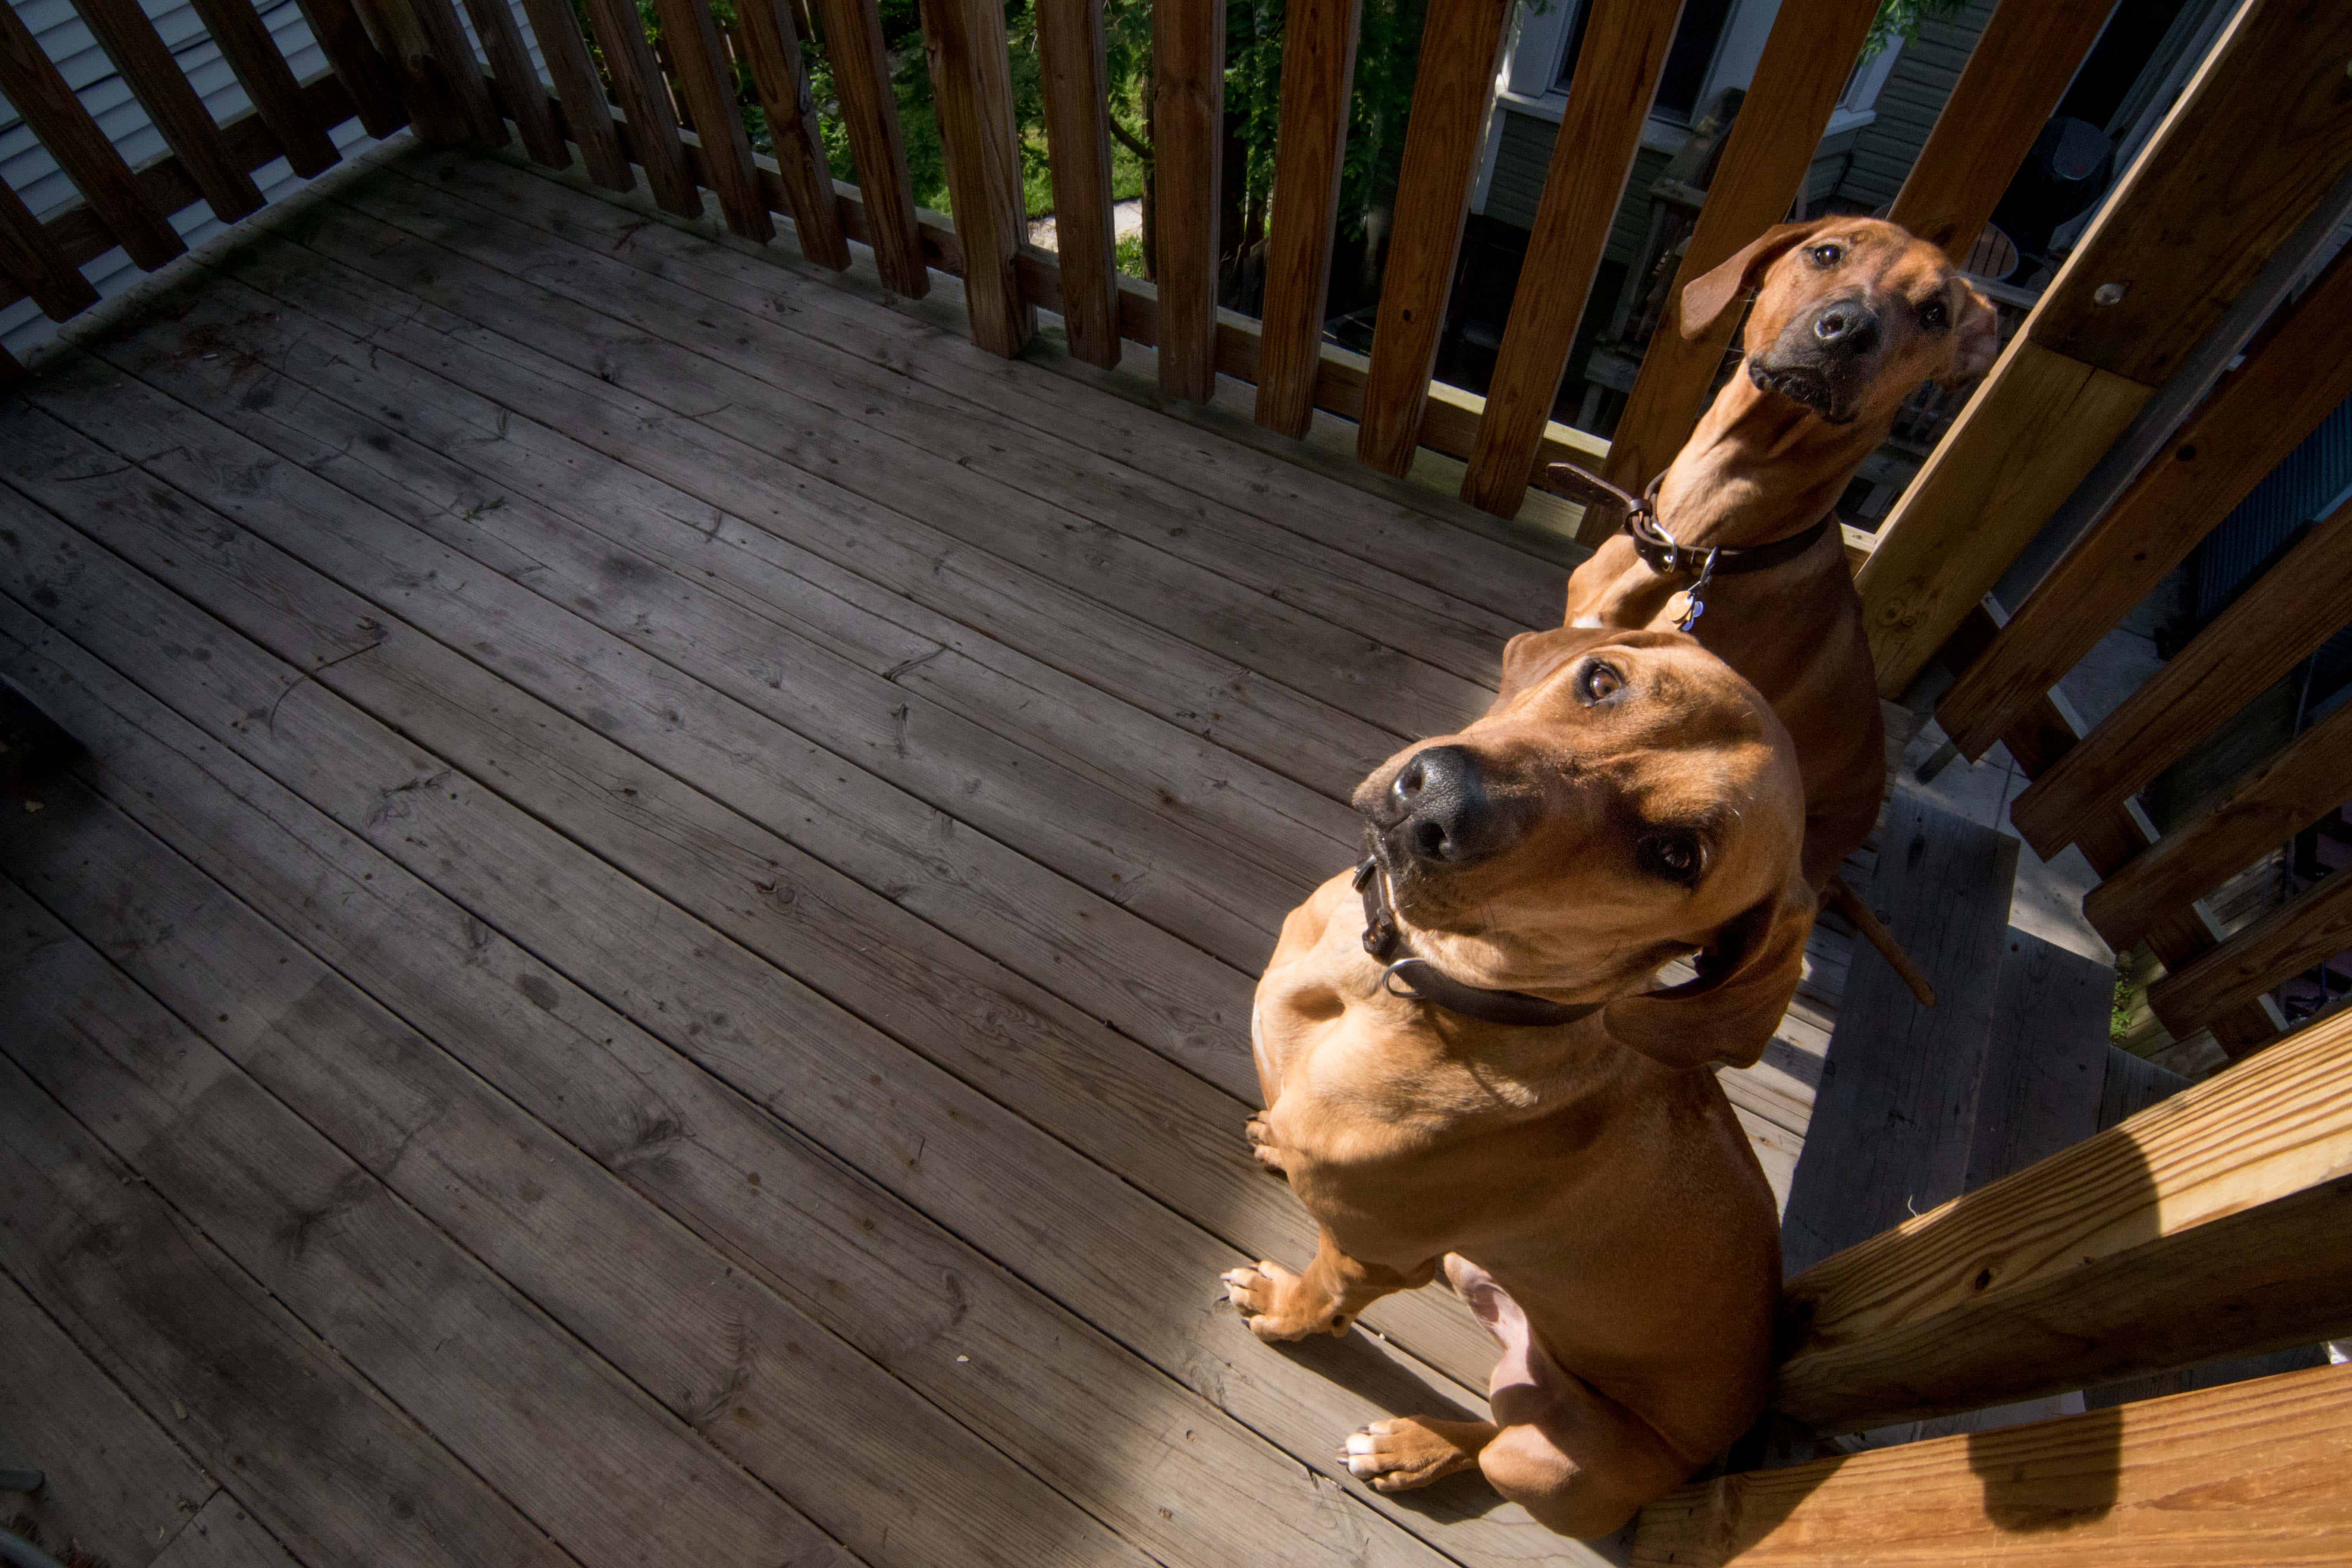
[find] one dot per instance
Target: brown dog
(1627, 800)
(1850, 316)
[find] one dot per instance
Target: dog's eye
(1826, 255)
(1933, 316)
(1599, 682)
(1677, 856)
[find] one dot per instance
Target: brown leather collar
(1424, 982)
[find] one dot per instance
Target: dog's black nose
(1445, 813)
(1848, 326)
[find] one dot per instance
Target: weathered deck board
(741, 826)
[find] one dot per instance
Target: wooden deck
(652, 962)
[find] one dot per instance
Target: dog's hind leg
(1280, 1305)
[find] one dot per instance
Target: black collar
(1424, 982)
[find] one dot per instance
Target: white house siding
(35, 176)
(1922, 77)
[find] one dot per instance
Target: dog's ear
(1706, 300)
(1745, 978)
(1976, 338)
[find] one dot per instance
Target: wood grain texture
(2267, 630)
(1051, 1391)
(587, 116)
(345, 1475)
(1891, 1121)
(1803, 72)
(772, 46)
(223, 1533)
(2271, 1277)
(637, 80)
(1188, 88)
(705, 81)
(1625, 44)
(87, 154)
(2243, 1475)
(2020, 68)
(2046, 1062)
(1318, 79)
(33, 262)
(2253, 816)
(516, 82)
(2257, 414)
(1070, 50)
(138, 54)
(869, 115)
(1452, 98)
(972, 92)
(115, 1483)
(2272, 1125)
(588, 1455)
(2034, 427)
(352, 56)
(2308, 930)
(270, 82)
(2212, 194)
(882, 1468)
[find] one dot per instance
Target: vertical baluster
(1188, 45)
(1070, 44)
(708, 85)
(869, 115)
(519, 84)
(1806, 64)
(1318, 73)
(772, 46)
(585, 113)
(131, 41)
(83, 150)
(1461, 50)
(644, 102)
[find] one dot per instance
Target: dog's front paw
(1261, 1142)
(1411, 1451)
(1272, 1301)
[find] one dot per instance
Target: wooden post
(869, 115)
(1318, 77)
(1625, 44)
(1461, 50)
(1070, 47)
(363, 72)
(2257, 813)
(708, 85)
(1188, 40)
(2259, 414)
(33, 262)
(645, 103)
(973, 90)
(131, 41)
(2296, 605)
(772, 46)
(84, 152)
(2019, 70)
(267, 79)
(1806, 63)
(518, 83)
(2245, 1475)
(585, 113)
(2182, 236)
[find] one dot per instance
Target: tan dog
(1850, 316)
(1627, 800)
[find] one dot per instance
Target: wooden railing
(2214, 1224)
